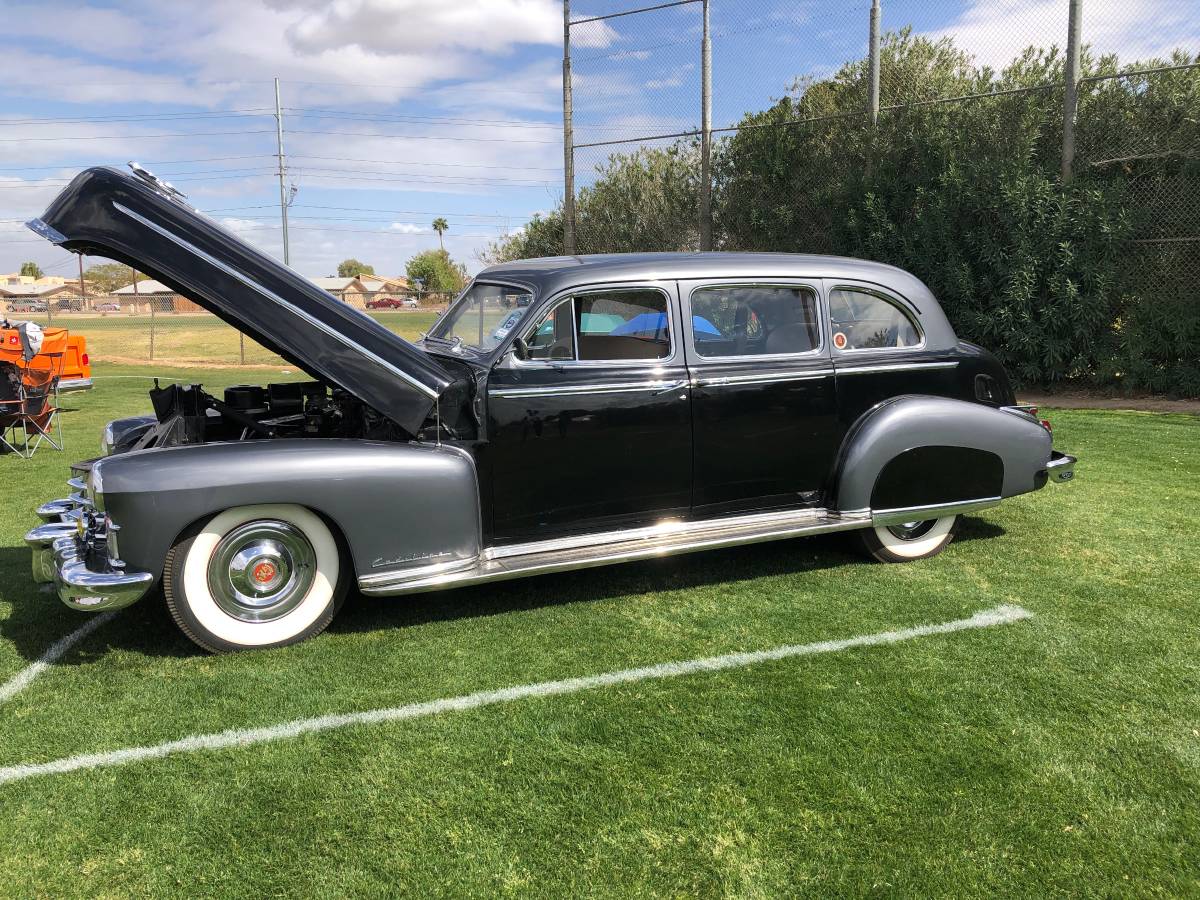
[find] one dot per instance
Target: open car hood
(138, 221)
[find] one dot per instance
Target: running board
(581, 552)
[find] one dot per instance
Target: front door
(764, 401)
(592, 430)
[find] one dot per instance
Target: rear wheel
(907, 541)
(255, 577)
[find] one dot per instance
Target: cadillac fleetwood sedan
(562, 413)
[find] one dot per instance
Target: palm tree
(440, 225)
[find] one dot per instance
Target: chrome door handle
(669, 386)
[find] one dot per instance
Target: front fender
(397, 505)
(919, 450)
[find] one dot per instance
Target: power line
(140, 117)
(439, 164)
(139, 137)
(161, 162)
(414, 137)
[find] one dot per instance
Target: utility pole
(568, 139)
(873, 90)
(82, 286)
(282, 172)
(1071, 88)
(706, 135)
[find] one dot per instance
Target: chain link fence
(1035, 163)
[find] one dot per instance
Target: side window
(754, 320)
(862, 320)
(616, 325)
(553, 337)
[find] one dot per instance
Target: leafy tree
(437, 271)
(107, 277)
(646, 200)
(32, 269)
(352, 268)
(440, 225)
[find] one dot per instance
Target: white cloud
(238, 226)
(407, 228)
(672, 79)
(996, 31)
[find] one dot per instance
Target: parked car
(629, 407)
(392, 303)
(108, 307)
(26, 306)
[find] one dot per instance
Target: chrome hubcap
(261, 570)
(911, 531)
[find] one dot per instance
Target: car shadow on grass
(38, 619)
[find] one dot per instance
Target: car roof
(563, 271)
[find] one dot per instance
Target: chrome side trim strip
(614, 387)
(895, 367)
(764, 377)
(366, 582)
(665, 529)
(935, 511)
(818, 521)
(312, 320)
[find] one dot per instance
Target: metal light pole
(706, 135)
(873, 88)
(568, 139)
(282, 171)
(1071, 88)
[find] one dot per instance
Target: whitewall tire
(254, 577)
(907, 541)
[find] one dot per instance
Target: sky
(399, 111)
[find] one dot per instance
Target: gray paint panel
(923, 421)
(398, 505)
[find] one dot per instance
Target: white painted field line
(1000, 615)
(53, 654)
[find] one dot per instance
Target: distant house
(148, 294)
(348, 290)
(50, 294)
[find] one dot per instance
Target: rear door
(593, 430)
(764, 402)
(879, 349)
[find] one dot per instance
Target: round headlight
(106, 440)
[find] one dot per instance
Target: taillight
(1045, 423)
(84, 359)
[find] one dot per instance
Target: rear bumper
(74, 384)
(70, 550)
(1061, 467)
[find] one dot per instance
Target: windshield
(483, 316)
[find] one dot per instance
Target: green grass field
(1060, 754)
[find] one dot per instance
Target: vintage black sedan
(562, 413)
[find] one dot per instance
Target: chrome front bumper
(70, 550)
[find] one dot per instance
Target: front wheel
(908, 540)
(254, 577)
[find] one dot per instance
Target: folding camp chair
(29, 393)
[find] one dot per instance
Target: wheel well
(335, 529)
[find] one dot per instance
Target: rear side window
(862, 320)
(604, 326)
(754, 320)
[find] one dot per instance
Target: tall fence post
(706, 135)
(1071, 88)
(873, 62)
(568, 139)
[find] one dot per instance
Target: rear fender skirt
(922, 451)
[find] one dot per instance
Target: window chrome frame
(813, 285)
(568, 295)
(906, 309)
